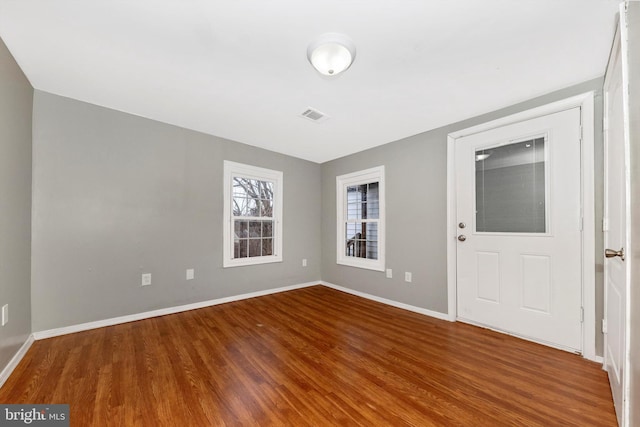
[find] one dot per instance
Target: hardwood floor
(314, 356)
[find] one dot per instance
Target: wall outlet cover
(146, 279)
(407, 277)
(389, 273)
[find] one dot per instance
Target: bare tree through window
(253, 217)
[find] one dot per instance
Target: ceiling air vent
(314, 115)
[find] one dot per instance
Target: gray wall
(16, 100)
(116, 195)
(633, 16)
(422, 208)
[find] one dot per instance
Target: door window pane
(510, 188)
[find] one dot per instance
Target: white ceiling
(238, 68)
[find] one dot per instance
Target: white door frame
(585, 102)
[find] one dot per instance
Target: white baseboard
(6, 372)
(162, 312)
(430, 313)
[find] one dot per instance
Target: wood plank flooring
(314, 356)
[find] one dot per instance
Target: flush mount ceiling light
(331, 53)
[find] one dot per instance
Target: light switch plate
(5, 314)
(190, 274)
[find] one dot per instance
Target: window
(511, 188)
(360, 209)
(252, 215)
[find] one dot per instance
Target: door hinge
(581, 133)
(605, 224)
(581, 223)
(581, 314)
(604, 326)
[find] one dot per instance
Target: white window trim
(342, 182)
(231, 170)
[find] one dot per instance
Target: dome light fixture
(331, 53)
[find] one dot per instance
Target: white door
(519, 229)
(615, 233)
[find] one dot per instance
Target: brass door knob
(610, 253)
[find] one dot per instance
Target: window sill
(251, 261)
(377, 266)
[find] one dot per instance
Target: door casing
(586, 103)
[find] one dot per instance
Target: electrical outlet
(5, 314)
(146, 279)
(304, 262)
(407, 276)
(389, 273)
(190, 273)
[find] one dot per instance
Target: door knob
(462, 237)
(610, 253)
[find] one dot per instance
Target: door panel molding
(585, 102)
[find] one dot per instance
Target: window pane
(252, 208)
(250, 238)
(248, 195)
(240, 196)
(254, 247)
(267, 247)
(266, 190)
(372, 249)
(362, 189)
(373, 201)
(354, 211)
(363, 201)
(267, 228)
(354, 203)
(354, 195)
(255, 229)
(361, 240)
(353, 230)
(240, 248)
(266, 208)
(356, 248)
(372, 231)
(239, 206)
(240, 229)
(239, 187)
(353, 236)
(510, 188)
(350, 230)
